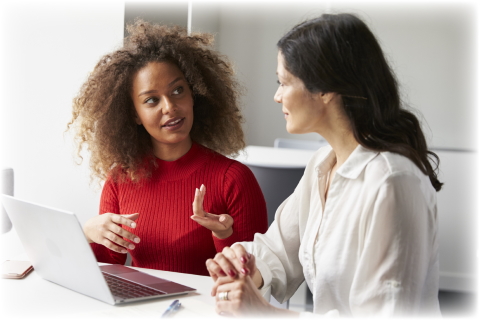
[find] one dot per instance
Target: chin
(292, 130)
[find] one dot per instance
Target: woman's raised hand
(220, 225)
(106, 229)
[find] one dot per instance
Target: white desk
(34, 298)
(275, 157)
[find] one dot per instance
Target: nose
(278, 95)
(168, 106)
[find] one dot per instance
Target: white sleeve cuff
(267, 278)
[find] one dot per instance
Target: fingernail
(124, 251)
(131, 246)
(244, 271)
(137, 240)
(212, 293)
(232, 273)
(222, 218)
(249, 255)
(223, 273)
(243, 260)
(133, 225)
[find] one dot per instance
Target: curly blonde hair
(104, 114)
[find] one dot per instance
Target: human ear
(327, 97)
(137, 119)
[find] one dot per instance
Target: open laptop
(59, 252)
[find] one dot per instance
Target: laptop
(59, 252)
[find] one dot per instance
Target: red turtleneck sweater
(170, 240)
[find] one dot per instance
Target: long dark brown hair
(338, 53)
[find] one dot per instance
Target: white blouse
(370, 249)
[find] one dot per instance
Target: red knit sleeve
(245, 203)
(108, 203)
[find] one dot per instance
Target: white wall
(47, 50)
(431, 47)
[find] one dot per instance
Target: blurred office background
(48, 48)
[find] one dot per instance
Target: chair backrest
(277, 184)
(7, 188)
(299, 144)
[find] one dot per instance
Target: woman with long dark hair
(361, 226)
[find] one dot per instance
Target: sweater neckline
(183, 166)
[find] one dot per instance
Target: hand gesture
(106, 229)
(232, 262)
(220, 225)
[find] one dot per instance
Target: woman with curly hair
(158, 117)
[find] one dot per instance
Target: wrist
(224, 234)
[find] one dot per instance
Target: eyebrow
(168, 85)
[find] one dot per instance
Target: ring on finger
(223, 296)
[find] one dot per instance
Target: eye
(179, 90)
(151, 100)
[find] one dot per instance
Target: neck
(171, 152)
(336, 129)
(343, 146)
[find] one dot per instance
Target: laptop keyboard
(125, 289)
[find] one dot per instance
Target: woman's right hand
(106, 229)
(231, 262)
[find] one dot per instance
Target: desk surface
(275, 157)
(34, 297)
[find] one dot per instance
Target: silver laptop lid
(57, 248)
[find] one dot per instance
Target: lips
(172, 122)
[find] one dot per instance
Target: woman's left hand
(241, 298)
(220, 225)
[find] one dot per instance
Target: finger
(241, 253)
(115, 228)
(226, 264)
(226, 220)
(133, 216)
(116, 240)
(123, 220)
(197, 204)
(220, 281)
(214, 268)
(215, 271)
(226, 285)
(208, 222)
(238, 258)
(112, 246)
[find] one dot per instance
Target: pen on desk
(173, 307)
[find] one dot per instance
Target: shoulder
(398, 171)
(231, 165)
(393, 164)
